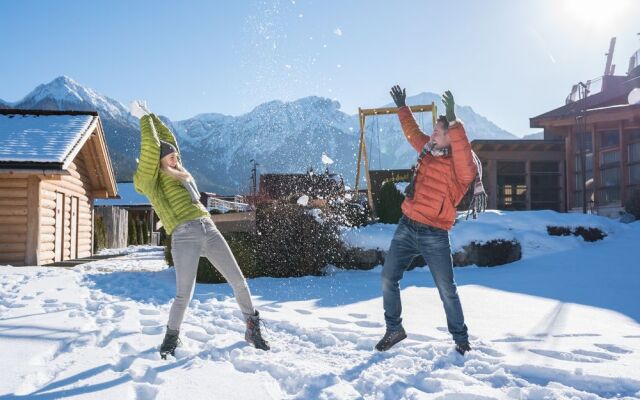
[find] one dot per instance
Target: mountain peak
(64, 80)
(311, 104)
(61, 88)
(65, 93)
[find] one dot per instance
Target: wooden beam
(32, 250)
(360, 141)
(100, 194)
(90, 164)
(394, 110)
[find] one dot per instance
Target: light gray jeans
(191, 240)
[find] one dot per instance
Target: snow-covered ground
(563, 322)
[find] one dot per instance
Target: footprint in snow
(145, 391)
(596, 354)
(488, 351)
(613, 348)
(574, 356)
(369, 324)
(577, 335)
(198, 336)
(335, 320)
(516, 339)
(153, 330)
(143, 373)
(149, 311)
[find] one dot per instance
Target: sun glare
(596, 13)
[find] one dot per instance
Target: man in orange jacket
(444, 171)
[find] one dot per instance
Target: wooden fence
(115, 220)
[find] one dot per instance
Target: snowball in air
(303, 200)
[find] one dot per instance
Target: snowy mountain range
(281, 136)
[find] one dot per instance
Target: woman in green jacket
(173, 193)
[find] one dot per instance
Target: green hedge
(145, 233)
(589, 234)
(99, 235)
(133, 233)
(389, 203)
(292, 242)
(288, 242)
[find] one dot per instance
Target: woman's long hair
(179, 172)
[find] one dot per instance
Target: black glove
(399, 96)
(449, 104)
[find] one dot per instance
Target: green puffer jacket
(167, 195)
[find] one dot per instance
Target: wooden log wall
(75, 185)
(13, 219)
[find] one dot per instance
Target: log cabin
(53, 164)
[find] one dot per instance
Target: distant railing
(225, 206)
(634, 61)
(578, 92)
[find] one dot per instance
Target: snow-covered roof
(43, 137)
(128, 197)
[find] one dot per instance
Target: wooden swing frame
(363, 113)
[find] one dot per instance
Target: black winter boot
(169, 344)
(462, 348)
(390, 338)
(252, 335)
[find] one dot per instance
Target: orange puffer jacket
(441, 182)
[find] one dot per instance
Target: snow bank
(527, 227)
(562, 325)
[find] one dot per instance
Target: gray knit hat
(166, 148)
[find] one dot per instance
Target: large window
(545, 185)
(609, 138)
(633, 155)
(609, 188)
(634, 152)
(512, 188)
(634, 174)
(583, 180)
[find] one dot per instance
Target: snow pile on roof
(128, 197)
(40, 138)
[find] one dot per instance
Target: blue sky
(509, 60)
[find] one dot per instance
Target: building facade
(601, 132)
(53, 164)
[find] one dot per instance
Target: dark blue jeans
(413, 239)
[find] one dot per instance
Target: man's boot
(390, 338)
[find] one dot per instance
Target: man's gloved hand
(449, 104)
(399, 96)
(139, 109)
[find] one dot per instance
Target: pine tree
(145, 233)
(390, 203)
(133, 232)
